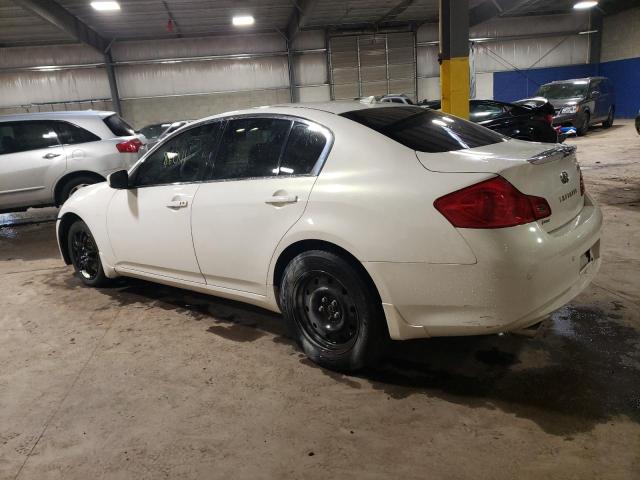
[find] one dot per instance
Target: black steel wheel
(84, 254)
(333, 311)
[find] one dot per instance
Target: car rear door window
(182, 159)
(250, 148)
(304, 147)
(118, 126)
(71, 134)
(424, 130)
(28, 135)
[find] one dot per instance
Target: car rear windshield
(576, 88)
(424, 130)
(118, 126)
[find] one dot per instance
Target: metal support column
(292, 74)
(386, 60)
(595, 38)
(327, 43)
(113, 84)
(454, 57)
(359, 73)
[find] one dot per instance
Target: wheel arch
(300, 246)
(66, 221)
(57, 189)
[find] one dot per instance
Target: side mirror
(595, 94)
(119, 180)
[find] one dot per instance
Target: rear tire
(85, 256)
(584, 126)
(74, 184)
(609, 121)
(332, 311)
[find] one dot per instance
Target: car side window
(182, 159)
(250, 147)
(29, 135)
(304, 147)
(70, 134)
(595, 86)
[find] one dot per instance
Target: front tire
(85, 256)
(332, 311)
(584, 126)
(609, 121)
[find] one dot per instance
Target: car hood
(564, 102)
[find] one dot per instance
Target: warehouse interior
(148, 381)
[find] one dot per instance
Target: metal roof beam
(58, 16)
(491, 8)
(299, 17)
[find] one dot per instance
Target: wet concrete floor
(146, 381)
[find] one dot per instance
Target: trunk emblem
(564, 177)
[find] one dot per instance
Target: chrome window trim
(327, 132)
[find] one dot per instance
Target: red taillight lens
(549, 119)
(494, 203)
(130, 146)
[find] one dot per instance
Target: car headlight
(570, 109)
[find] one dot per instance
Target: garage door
(377, 64)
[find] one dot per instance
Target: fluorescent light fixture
(105, 6)
(48, 68)
(243, 20)
(584, 5)
(587, 32)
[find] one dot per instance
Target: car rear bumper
(522, 275)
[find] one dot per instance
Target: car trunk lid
(551, 172)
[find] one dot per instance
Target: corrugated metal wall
(258, 75)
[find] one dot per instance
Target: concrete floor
(144, 381)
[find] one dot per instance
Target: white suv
(46, 157)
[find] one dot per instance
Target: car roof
(56, 115)
(585, 79)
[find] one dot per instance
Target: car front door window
(182, 159)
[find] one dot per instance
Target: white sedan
(358, 222)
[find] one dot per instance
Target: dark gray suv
(581, 102)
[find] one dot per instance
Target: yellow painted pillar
(454, 56)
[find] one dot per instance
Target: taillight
(493, 203)
(549, 119)
(130, 146)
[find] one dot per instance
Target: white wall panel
(320, 93)
(621, 36)
(531, 53)
(310, 68)
(202, 77)
(309, 39)
(484, 86)
(429, 88)
(428, 65)
(48, 55)
(39, 87)
(198, 47)
(502, 27)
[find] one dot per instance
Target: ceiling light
(587, 32)
(584, 5)
(242, 20)
(105, 6)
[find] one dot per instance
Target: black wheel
(332, 312)
(584, 126)
(85, 256)
(73, 185)
(609, 121)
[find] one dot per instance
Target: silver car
(46, 157)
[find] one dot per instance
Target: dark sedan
(525, 122)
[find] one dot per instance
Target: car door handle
(278, 199)
(49, 156)
(176, 204)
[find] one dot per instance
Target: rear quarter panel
(374, 199)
